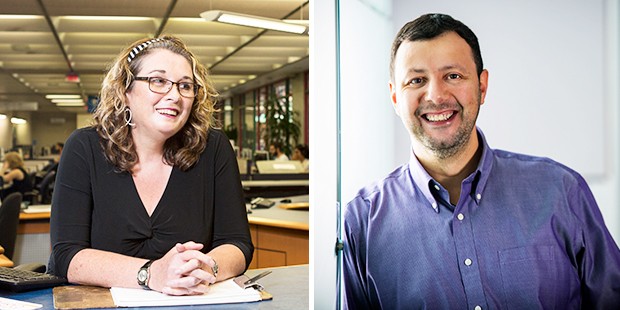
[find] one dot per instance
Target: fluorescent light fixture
(252, 21)
(12, 16)
(63, 97)
(17, 120)
(70, 104)
(68, 101)
(108, 18)
(2, 116)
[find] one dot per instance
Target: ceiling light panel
(94, 32)
(23, 23)
(100, 24)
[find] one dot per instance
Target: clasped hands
(184, 270)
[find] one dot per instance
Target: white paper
(219, 293)
(12, 304)
(38, 209)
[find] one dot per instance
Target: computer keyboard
(24, 280)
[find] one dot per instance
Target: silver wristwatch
(144, 275)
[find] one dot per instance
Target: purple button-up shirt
(526, 233)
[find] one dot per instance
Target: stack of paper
(38, 209)
(219, 293)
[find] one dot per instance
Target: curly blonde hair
(13, 160)
(184, 148)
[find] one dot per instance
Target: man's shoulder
(397, 177)
(539, 166)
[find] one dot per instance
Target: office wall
(324, 156)
(49, 128)
(22, 133)
(297, 89)
(5, 132)
(84, 120)
(39, 129)
(367, 121)
(366, 130)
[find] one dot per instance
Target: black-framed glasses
(163, 86)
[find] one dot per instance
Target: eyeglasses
(163, 86)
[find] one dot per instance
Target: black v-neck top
(95, 207)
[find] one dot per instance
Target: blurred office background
(53, 55)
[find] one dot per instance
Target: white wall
(324, 156)
(366, 140)
(368, 119)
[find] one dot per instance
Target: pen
(256, 278)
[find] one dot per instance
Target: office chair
(42, 193)
(9, 219)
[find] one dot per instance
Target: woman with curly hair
(150, 195)
(13, 172)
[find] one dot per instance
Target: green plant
(231, 132)
(282, 123)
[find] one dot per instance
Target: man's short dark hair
(277, 145)
(430, 26)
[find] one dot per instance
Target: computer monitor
(279, 166)
(261, 155)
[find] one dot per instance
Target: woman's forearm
(101, 268)
(230, 260)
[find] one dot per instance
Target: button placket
(466, 251)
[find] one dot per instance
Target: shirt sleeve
(71, 204)
(354, 255)
(598, 255)
(231, 220)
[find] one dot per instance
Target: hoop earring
(128, 118)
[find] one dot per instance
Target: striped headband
(134, 52)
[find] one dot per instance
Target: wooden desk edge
(34, 216)
(253, 220)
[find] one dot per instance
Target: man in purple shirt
(463, 226)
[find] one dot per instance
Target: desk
(36, 165)
(288, 285)
(34, 223)
(33, 238)
(280, 237)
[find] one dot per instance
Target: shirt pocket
(529, 277)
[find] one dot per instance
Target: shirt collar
(478, 178)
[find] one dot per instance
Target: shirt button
(467, 262)
(477, 308)
(478, 196)
(436, 187)
(460, 216)
(434, 205)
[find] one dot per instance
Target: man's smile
(439, 117)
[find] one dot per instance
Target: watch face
(142, 275)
